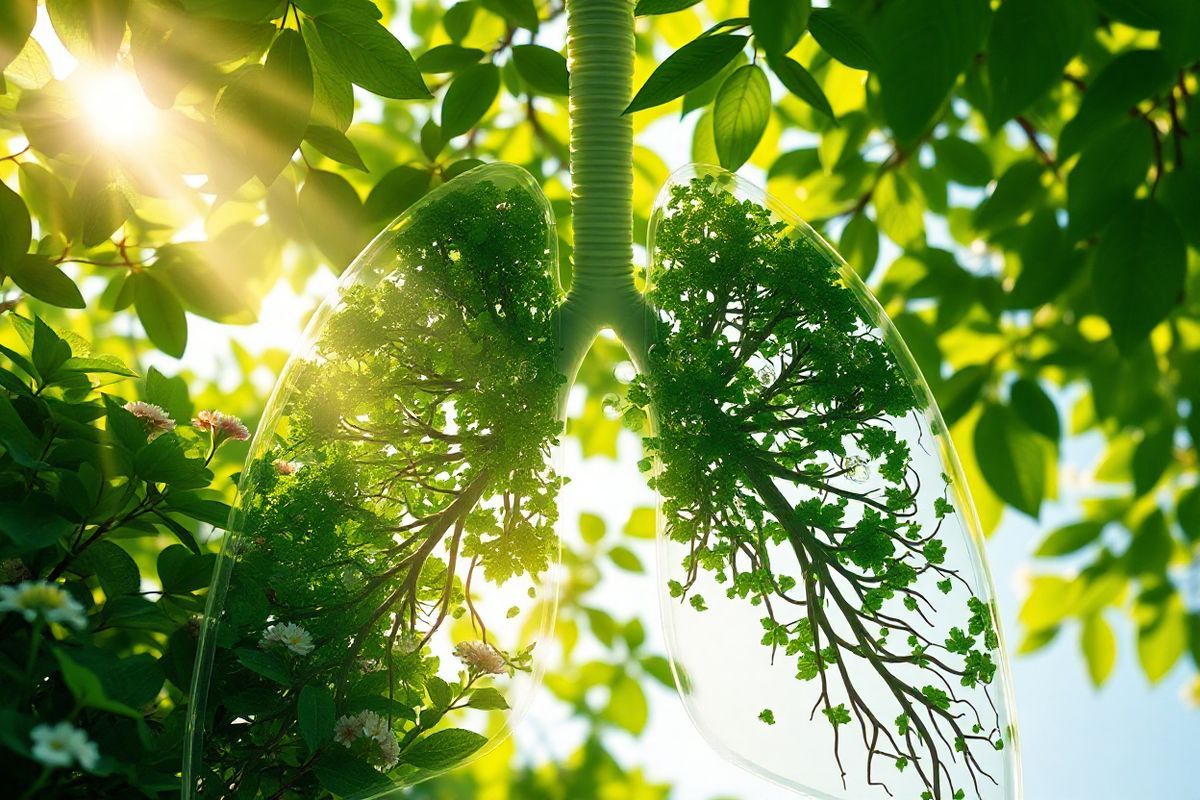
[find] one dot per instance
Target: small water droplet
(611, 406)
(625, 371)
(857, 470)
(766, 375)
(635, 419)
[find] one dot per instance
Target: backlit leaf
(740, 117)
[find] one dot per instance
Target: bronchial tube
(600, 52)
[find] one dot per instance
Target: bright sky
(1128, 741)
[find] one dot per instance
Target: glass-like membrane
(379, 594)
(829, 612)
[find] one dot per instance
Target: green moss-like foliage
(768, 383)
(413, 460)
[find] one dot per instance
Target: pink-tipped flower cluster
(481, 658)
(222, 426)
(155, 418)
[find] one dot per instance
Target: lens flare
(116, 110)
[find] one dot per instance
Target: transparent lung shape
(829, 612)
(374, 611)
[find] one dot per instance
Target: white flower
(480, 658)
(49, 600)
(374, 726)
(63, 744)
(389, 752)
(222, 426)
(290, 635)
(155, 418)
(347, 729)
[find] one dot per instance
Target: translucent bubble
(625, 371)
(766, 375)
(635, 419)
(610, 405)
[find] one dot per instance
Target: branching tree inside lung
(776, 402)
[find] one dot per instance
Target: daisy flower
(290, 635)
(155, 418)
(62, 745)
(50, 601)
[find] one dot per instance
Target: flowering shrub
(96, 647)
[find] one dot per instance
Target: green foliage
(85, 480)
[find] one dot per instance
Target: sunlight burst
(117, 110)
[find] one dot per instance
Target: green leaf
(687, 68)
(591, 527)
(1106, 177)
(168, 393)
(334, 144)
(1029, 44)
(1127, 80)
(346, 776)
(543, 69)
(470, 95)
(160, 312)
(458, 19)
(642, 523)
(285, 106)
(90, 29)
(1070, 539)
(487, 699)
(1188, 514)
(87, 689)
(333, 216)
(164, 461)
(1139, 271)
(333, 94)
(741, 114)
(646, 8)
(16, 229)
(181, 571)
(316, 713)
(269, 665)
(522, 13)
(841, 35)
(1099, 646)
(802, 84)
(448, 58)
(963, 161)
(899, 209)
(626, 559)
(38, 276)
(918, 69)
(779, 24)
(1014, 195)
(17, 18)
(116, 570)
(101, 201)
(859, 244)
(395, 192)
(1153, 454)
(1163, 639)
(1035, 408)
(1012, 458)
(627, 707)
(1150, 550)
(369, 55)
(443, 749)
